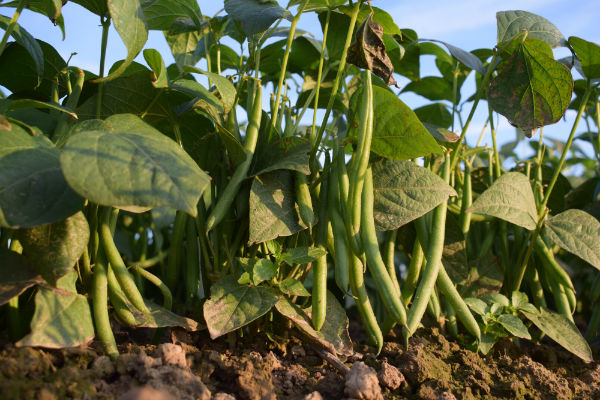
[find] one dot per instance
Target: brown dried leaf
(368, 51)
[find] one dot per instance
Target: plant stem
(336, 83)
(105, 25)
(486, 78)
(12, 24)
(284, 62)
(313, 133)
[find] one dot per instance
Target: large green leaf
(16, 275)
(62, 317)
(53, 249)
(511, 23)
(50, 8)
(468, 59)
(560, 329)
(510, 198)
(232, 305)
(161, 14)
(302, 255)
(137, 166)
(283, 153)
(403, 192)
(258, 269)
(255, 16)
(130, 23)
(380, 16)
(533, 89)
(33, 190)
(25, 39)
(156, 62)
(7, 105)
(98, 7)
(333, 335)
(224, 86)
(436, 114)
(318, 5)
(183, 46)
(588, 54)
(397, 132)
(431, 87)
(577, 232)
(514, 326)
(18, 72)
(272, 207)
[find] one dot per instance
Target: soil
(191, 366)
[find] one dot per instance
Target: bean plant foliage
(271, 178)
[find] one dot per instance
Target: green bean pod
(456, 301)
(164, 289)
(340, 254)
(363, 304)
(100, 306)
(435, 247)
(359, 164)
(414, 270)
(387, 290)
(222, 206)
(175, 249)
(451, 324)
(305, 208)
(114, 258)
(389, 251)
(554, 270)
(118, 299)
(433, 307)
(319, 292)
(537, 290)
(192, 270)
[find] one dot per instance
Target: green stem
(313, 133)
(561, 163)
(12, 24)
(336, 83)
(286, 56)
(166, 293)
(105, 25)
(455, 154)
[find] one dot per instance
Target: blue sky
(468, 24)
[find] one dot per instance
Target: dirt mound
(432, 367)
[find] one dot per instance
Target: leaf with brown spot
(368, 51)
(532, 89)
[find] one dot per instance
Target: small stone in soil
(223, 396)
(362, 383)
(172, 354)
(390, 377)
(313, 396)
(146, 393)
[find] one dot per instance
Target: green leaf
(129, 22)
(397, 132)
(232, 305)
(224, 86)
(183, 46)
(318, 5)
(53, 249)
(16, 275)
(98, 7)
(497, 298)
(380, 16)
(468, 59)
(50, 8)
(293, 287)
(162, 14)
(511, 23)
(560, 329)
(134, 167)
(454, 254)
(289, 153)
(510, 198)
(23, 37)
(514, 326)
(588, 54)
(204, 99)
(302, 255)
(33, 190)
(577, 232)
(476, 305)
(533, 89)
(7, 105)
(432, 88)
(403, 192)
(62, 317)
(258, 269)
(18, 72)
(160, 317)
(518, 299)
(156, 62)
(436, 114)
(487, 341)
(333, 336)
(273, 207)
(256, 16)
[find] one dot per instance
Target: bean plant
(269, 181)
